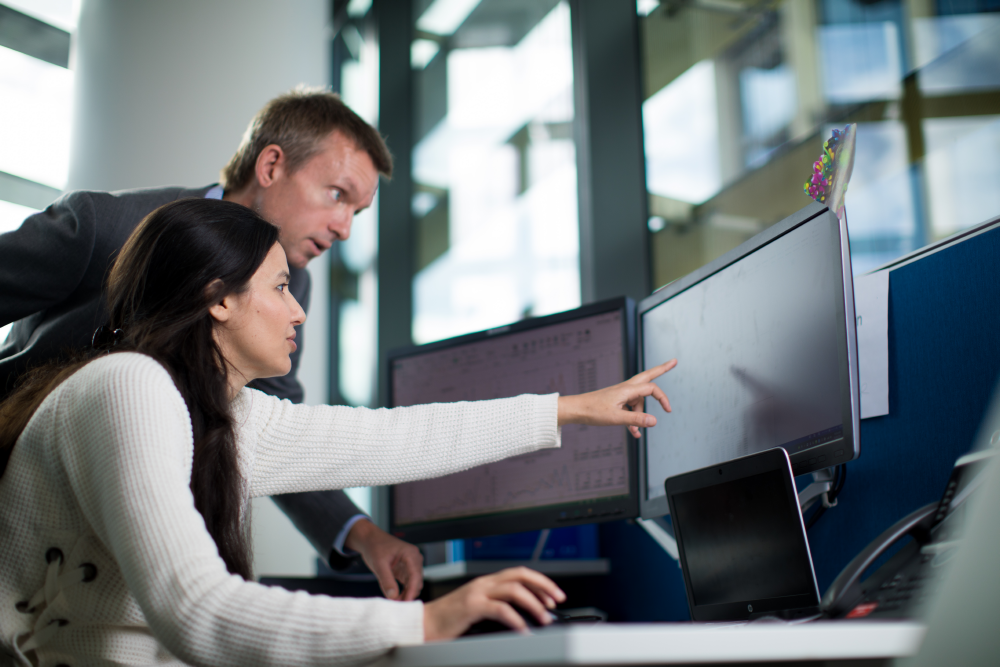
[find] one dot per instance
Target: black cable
(815, 516)
(839, 481)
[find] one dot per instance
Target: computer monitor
(766, 346)
(592, 477)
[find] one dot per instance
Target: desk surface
(671, 644)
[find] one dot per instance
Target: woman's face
(256, 328)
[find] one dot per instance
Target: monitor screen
(591, 477)
(765, 356)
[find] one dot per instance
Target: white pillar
(164, 91)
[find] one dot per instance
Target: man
(308, 164)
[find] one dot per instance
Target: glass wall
(353, 275)
(494, 165)
(36, 86)
(739, 96)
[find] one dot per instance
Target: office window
(353, 281)
(353, 261)
(739, 96)
(36, 86)
(34, 118)
(494, 165)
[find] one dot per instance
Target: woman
(123, 527)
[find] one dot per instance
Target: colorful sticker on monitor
(832, 171)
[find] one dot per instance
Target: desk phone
(904, 583)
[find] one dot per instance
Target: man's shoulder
(111, 216)
(149, 197)
(128, 199)
(175, 191)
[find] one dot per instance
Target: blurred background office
(549, 153)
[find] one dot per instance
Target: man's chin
(299, 260)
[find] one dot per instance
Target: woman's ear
(222, 311)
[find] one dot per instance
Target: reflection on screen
(743, 541)
(757, 351)
(568, 357)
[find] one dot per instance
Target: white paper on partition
(871, 310)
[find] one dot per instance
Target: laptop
(742, 542)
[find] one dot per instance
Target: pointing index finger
(656, 371)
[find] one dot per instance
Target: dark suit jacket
(52, 273)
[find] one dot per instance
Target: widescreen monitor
(592, 477)
(767, 356)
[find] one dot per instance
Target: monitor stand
(662, 532)
(464, 569)
(821, 485)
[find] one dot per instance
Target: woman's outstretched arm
(297, 448)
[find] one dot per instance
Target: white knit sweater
(102, 472)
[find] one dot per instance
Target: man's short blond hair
(298, 122)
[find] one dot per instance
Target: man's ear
(270, 163)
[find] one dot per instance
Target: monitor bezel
(807, 461)
(554, 516)
(768, 460)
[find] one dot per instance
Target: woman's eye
(281, 287)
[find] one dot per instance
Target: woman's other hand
(491, 597)
(620, 404)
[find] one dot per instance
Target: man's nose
(340, 225)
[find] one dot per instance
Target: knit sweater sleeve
(301, 448)
(125, 445)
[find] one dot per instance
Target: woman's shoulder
(122, 376)
(125, 392)
(123, 365)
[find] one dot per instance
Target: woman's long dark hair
(181, 259)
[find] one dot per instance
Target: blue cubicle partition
(944, 360)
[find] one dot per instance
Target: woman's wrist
(434, 629)
(567, 410)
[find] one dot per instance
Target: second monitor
(766, 347)
(590, 478)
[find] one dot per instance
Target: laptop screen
(743, 545)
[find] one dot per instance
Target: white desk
(821, 642)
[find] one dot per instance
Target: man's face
(315, 206)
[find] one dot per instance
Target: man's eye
(337, 195)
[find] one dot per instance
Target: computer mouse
(488, 626)
(558, 618)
